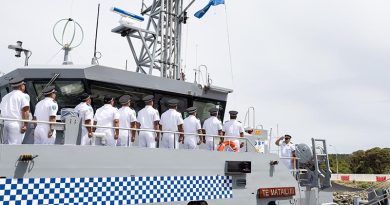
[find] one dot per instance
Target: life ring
(229, 143)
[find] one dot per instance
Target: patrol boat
(67, 173)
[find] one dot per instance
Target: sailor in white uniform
(171, 120)
(148, 118)
(46, 110)
(192, 125)
(108, 116)
(233, 128)
(212, 126)
(85, 112)
(287, 151)
(127, 119)
(15, 105)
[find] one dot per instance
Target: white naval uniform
(11, 107)
(211, 126)
(286, 151)
(191, 125)
(126, 117)
(43, 110)
(233, 128)
(146, 117)
(170, 120)
(105, 116)
(85, 112)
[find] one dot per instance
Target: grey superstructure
(66, 159)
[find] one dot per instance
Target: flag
(199, 14)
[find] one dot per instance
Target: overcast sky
(315, 68)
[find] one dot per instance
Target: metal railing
(178, 133)
(62, 126)
(379, 199)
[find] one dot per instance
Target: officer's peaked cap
(124, 99)
(148, 98)
(233, 113)
(16, 81)
(191, 109)
(213, 110)
(48, 90)
(107, 98)
(84, 96)
(172, 102)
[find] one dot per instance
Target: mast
(160, 41)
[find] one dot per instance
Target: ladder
(322, 174)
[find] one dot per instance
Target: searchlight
(18, 50)
(126, 16)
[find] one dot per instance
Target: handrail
(173, 132)
(137, 129)
(379, 200)
(33, 121)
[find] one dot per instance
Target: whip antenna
(95, 58)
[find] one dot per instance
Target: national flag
(199, 14)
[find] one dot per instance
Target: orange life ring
(229, 143)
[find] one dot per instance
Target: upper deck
(73, 80)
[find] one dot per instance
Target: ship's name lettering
(276, 192)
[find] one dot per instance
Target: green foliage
(372, 161)
(343, 163)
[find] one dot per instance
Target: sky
(311, 69)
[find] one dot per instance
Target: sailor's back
(12, 104)
(147, 116)
(45, 109)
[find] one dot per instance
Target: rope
(55, 55)
(230, 52)
(186, 50)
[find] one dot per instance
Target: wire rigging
(186, 49)
(52, 58)
(230, 52)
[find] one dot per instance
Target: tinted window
(161, 103)
(68, 92)
(3, 91)
(204, 106)
(99, 90)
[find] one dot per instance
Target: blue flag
(199, 14)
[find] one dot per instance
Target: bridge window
(99, 90)
(68, 92)
(3, 91)
(161, 103)
(204, 106)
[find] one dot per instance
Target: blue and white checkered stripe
(114, 190)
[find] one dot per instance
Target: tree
(372, 161)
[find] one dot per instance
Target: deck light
(18, 50)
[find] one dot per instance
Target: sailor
(85, 112)
(127, 119)
(192, 125)
(148, 118)
(171, 120)
(107, 116)
(15, 105)
(46, 110)
(287, 151)
(212, 126)
(233, 128)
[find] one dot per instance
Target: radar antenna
(67, 46)
(161, 40)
